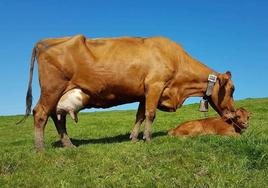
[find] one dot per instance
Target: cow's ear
(223, 78)
(229, 74)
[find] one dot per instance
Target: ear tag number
(212, 78)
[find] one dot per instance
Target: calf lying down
(71, 103)
(215, 125)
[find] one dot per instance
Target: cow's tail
(29, 97)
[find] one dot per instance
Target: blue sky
(225, 35)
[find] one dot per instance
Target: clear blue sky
(225, 35)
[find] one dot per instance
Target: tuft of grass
(105, 157)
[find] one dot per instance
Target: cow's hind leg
(40, 120)
(42, 111)
(140, 116)
(53, 83)
(61, 128)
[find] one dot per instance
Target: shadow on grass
(107, 140)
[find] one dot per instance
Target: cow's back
(134, 50)
(113, 71)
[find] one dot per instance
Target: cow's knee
(40, 116)
(150, 115)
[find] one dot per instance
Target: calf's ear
(228, 115)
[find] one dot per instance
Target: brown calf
(214, 125)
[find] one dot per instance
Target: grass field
(105, 157)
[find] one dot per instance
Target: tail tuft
(29, 99)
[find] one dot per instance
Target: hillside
(105, 157)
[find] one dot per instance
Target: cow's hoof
(67, 143)
(133, 139)
(133, 136)
(39, 149)
(39, 146)
(69, 146)
(147, 138)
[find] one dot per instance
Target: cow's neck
(195, 79)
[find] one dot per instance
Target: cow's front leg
(152, 97)
(60, 125)
(140, 116)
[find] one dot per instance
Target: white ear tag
(212, 78)
(211, 81)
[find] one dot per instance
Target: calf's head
(242, 117)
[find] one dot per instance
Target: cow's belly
(75, 99)
(111, 99)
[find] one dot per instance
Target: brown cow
(155, 72)
(232, 126)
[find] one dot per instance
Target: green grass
(106, 158)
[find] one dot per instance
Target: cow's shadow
(107, 140)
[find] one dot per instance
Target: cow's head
(221, 98)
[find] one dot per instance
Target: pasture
(105, 157)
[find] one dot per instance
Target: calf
(215, 125)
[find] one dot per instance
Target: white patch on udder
(72, 100)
